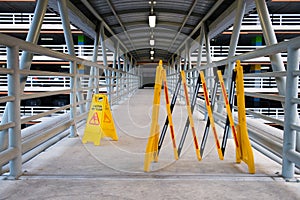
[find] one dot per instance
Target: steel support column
(93, 81)
(14, 88)
(119, 75)
(114, 73)
(62, 5)
(276, 60)
(126, 74)
(185, 67)
(240, 11)
(200, 48)
(270, 39)
(26, 59)
(104, 58)
(289, 138)
(209, 72)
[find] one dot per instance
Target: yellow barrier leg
(152, 147)
(210, 115)
(169, 115)
(190, 115)
(246, 149)
(229, 113)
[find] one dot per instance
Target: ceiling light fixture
(151, 52)
(46, 39)
(152, 58)
(152, 42)
(152, 21)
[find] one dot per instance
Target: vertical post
(62, 5)
(26, 58)
(114, 73)
(209, 71)
(104, 56)
(270, 39)
(129, 77)
(92, 79)
(234, 39)
(33, 35)
(289, 137)
(118, 74)
(199, 57)
(276, 60)
(14, 133)
(212, 84)
(179, 68)
(233, 44)
(126, 73)
(185, 57)
(73, 108)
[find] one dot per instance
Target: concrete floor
(114, 170)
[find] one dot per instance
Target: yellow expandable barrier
(172, 132)
(210, 115)
(190, 115)
(229, 113)
(242, 133)
(152, 145)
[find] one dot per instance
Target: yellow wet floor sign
(100, 122)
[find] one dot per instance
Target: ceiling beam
(120, 22)
(95, 13)
(183, 23)
(210, 12)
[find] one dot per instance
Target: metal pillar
(26, 58)
(276, 60)
(114, 73)
(93, 81)
(270, 39)
(209, 71)
(125, 68)
(120, 75)
(14, 88)
(200, 48)
(130, 70)
(289, 138)
(240, 11)
(62, 5)
(104, 57)
(185, 67)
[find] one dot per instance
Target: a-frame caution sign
(100, 122)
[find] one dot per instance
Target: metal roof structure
(176, 22)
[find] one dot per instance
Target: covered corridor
(49, 76)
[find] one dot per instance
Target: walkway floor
(114, 170)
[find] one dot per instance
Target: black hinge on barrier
(165, 127)
(187, 123)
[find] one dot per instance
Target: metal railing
(18, 145)
(86, 52)
(276, 19)
(26, 18)
(23, 20)
(282, 147)
(52, 18)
